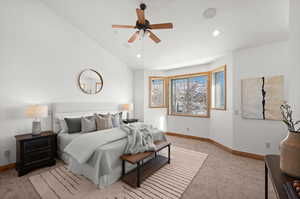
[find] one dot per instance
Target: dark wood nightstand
(35, 151)
(127, 121)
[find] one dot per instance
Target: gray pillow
(74, 125)
(103, 122)
(88, 124)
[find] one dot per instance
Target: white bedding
(104, 165)
(63, 139)
(82, 147)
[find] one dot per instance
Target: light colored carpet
(170, 182)
(222, 176)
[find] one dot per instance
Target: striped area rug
(170, 182)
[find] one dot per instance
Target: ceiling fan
(144, 26)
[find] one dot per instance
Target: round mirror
(90, 81)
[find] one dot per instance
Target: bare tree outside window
(219, 88)
(190, 96)
(157, 94)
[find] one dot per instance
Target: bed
(104, 166)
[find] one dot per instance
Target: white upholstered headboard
(61, 110)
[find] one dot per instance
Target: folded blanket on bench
(140, 138)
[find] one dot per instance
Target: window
(157, 94)
(219, 88)
(190, 95)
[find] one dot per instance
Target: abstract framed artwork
(157, 92)
(262, 97)
(219, 88)
(190, 95)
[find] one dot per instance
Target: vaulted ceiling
(242, 23)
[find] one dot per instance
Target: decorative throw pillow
(63, 126)
(117, 119)
(121, 118)
(88, 124)
(103, 115)
(103, 122)
(74, 125)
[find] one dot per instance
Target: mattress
(104, 166)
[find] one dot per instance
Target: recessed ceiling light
(138, 55)
(216, 33)
(210, 13)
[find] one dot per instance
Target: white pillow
(63, 126)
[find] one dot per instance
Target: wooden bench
(135, 177)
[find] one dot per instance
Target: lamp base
(128, 115)
(36, 127)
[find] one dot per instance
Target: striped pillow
(103, 122)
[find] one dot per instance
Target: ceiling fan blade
(153, 37)
(134, 37)
(122, 26)
(141, 16)
(161, 26)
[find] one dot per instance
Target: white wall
(268, 60)
(40, 58)
(227, 127)
(294, 45)
(201, 127)
(219, 125)
(221, 122)
(155, 116)
(193, 126)
(139, 88)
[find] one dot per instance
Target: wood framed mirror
(90, 81)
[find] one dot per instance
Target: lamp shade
(37, 111)
(127, 107)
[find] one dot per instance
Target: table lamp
(37, 112)
(128, 108)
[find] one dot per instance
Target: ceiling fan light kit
(143, 26)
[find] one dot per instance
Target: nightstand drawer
(36, 157)
(37, 145)
(35, 151)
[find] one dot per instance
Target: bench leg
(138, 182)
(169, 154)
(123, 168)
